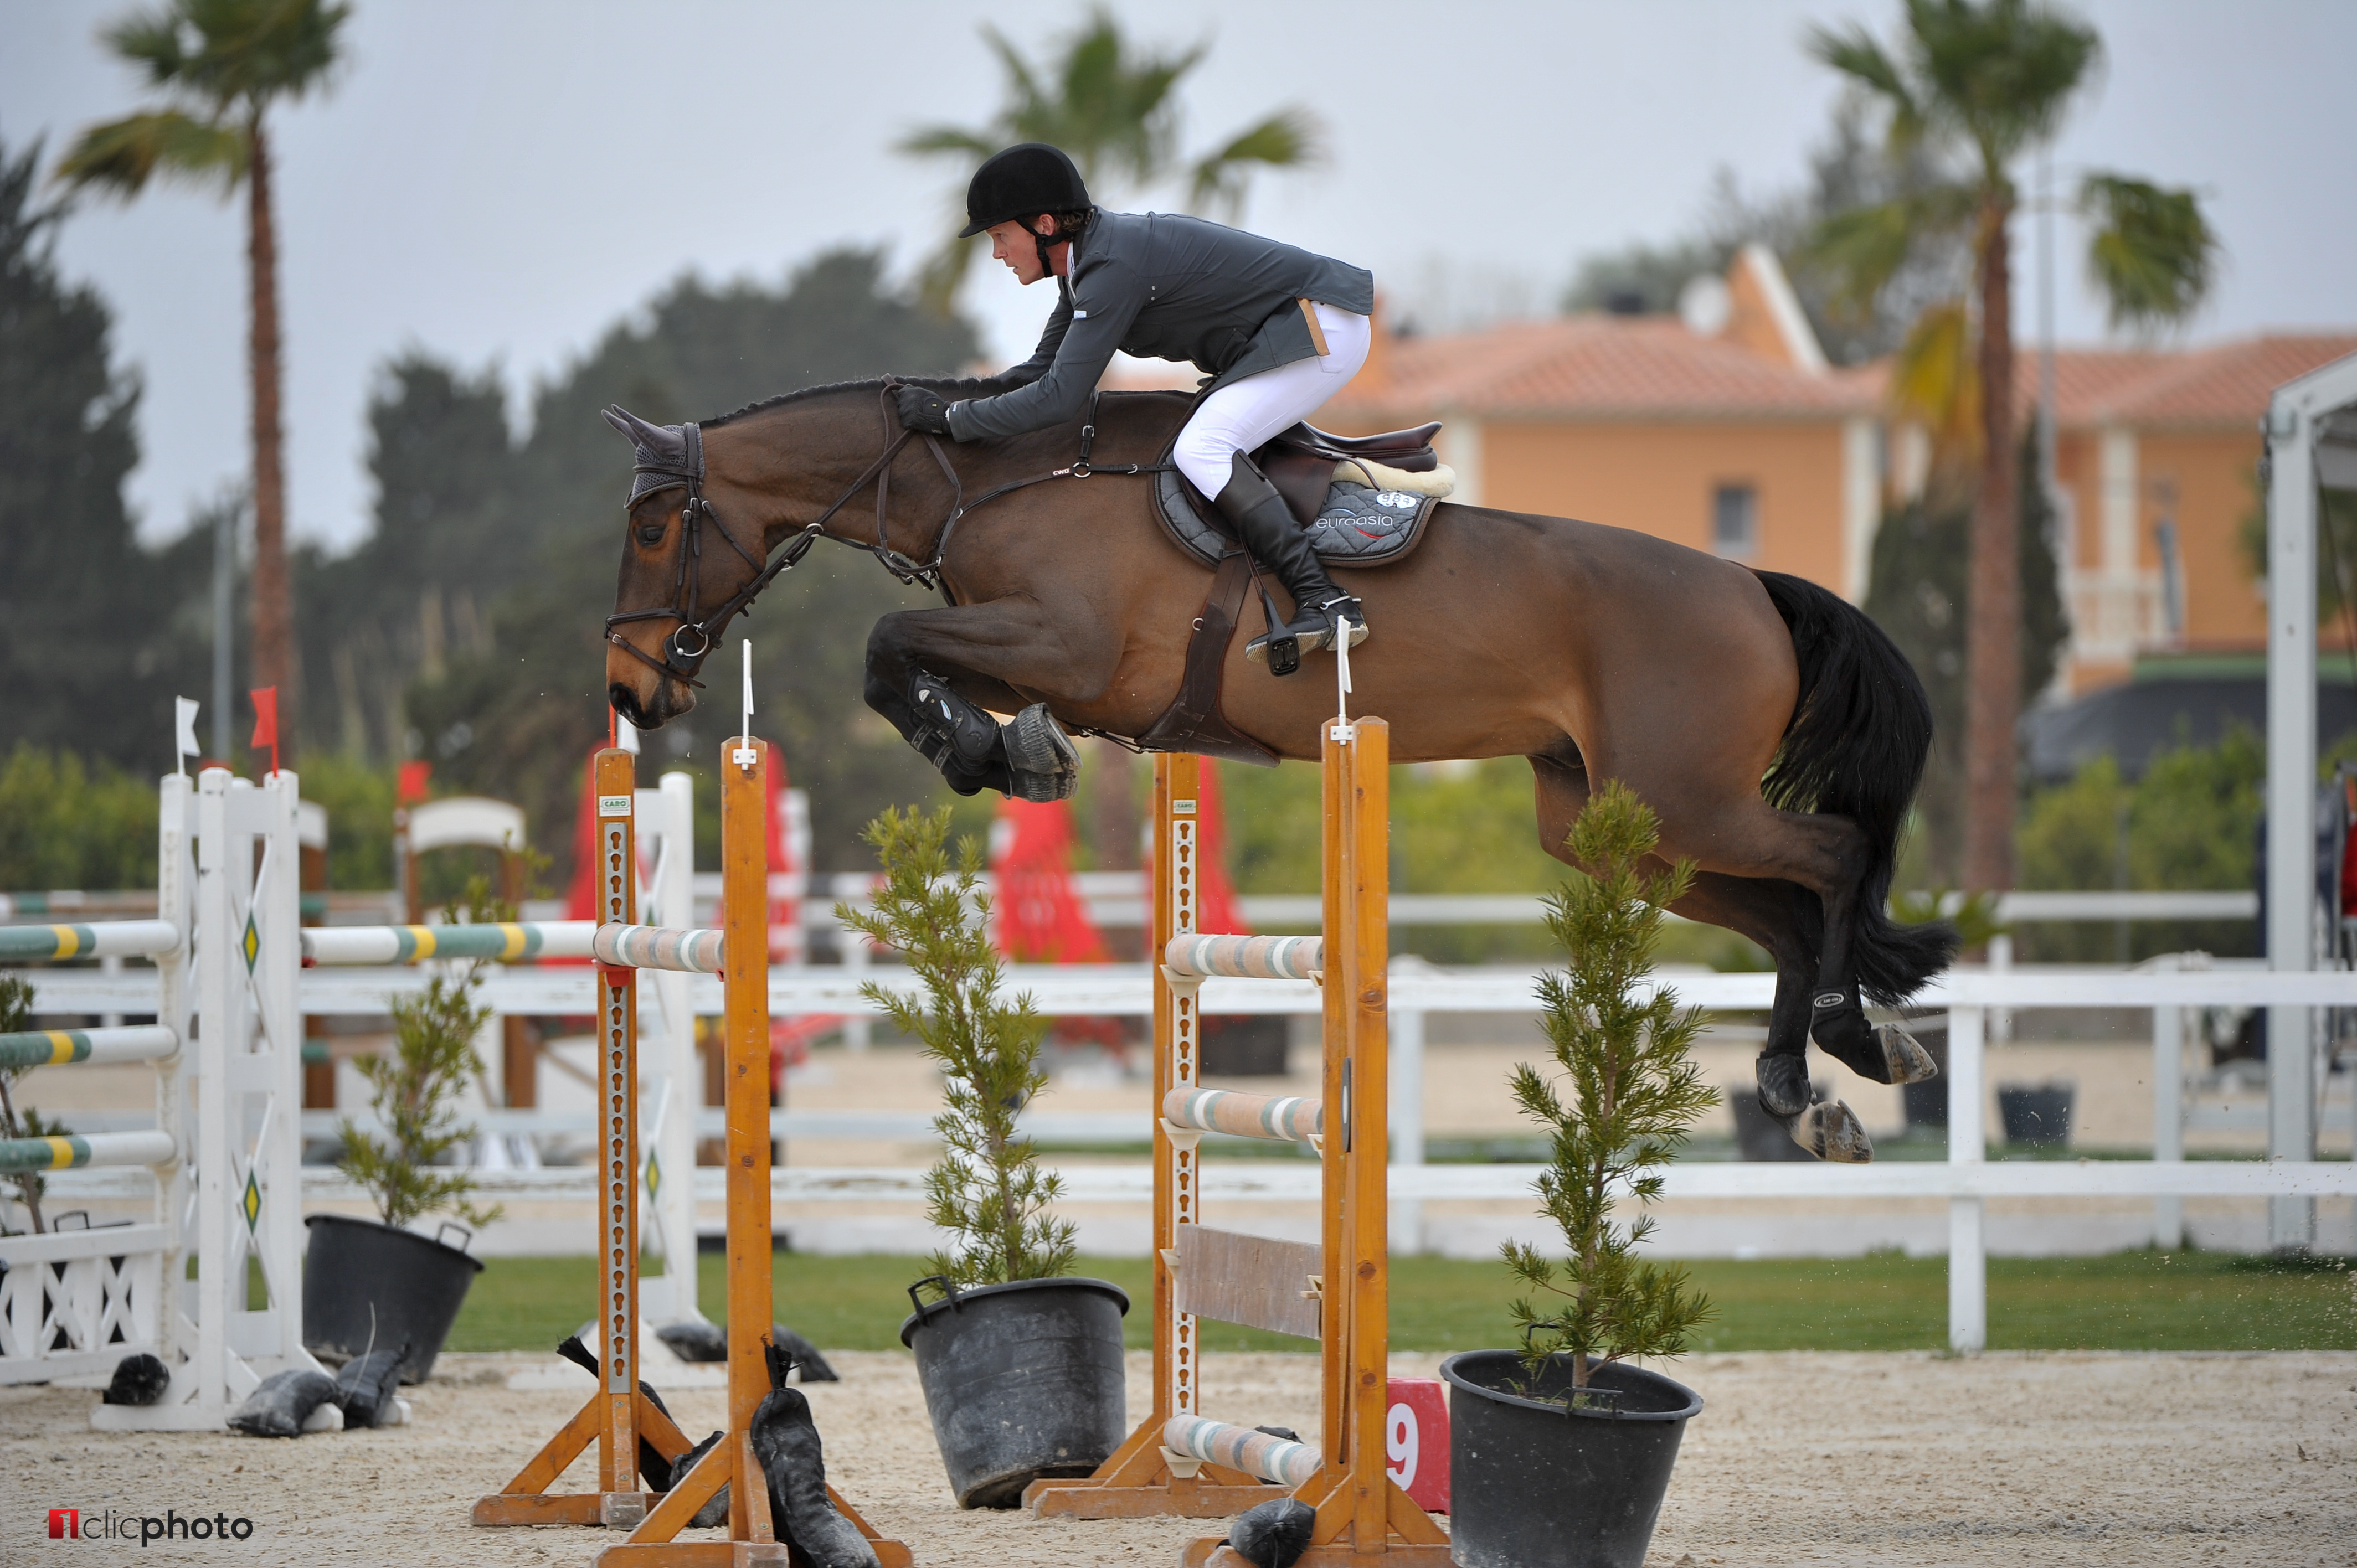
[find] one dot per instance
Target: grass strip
(2145, 1300)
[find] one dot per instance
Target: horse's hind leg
(1783, 917)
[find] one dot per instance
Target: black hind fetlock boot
(1277, 540)
(785, 1445)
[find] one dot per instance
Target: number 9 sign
(1415, 1441)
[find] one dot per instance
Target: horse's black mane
(873, 385)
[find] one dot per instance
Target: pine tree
(1622, 1048)
(986, 1188)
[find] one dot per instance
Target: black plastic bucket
(2036, 1114)
(1022, 1382)
(368, 1283)
(1533, 1484)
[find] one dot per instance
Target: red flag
(581, 899)
(265, 722)
(409, 784)
(1040, 917)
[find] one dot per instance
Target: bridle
(693, 639)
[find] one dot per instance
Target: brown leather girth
(1194, 721)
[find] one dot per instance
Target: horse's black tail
(1855, 748)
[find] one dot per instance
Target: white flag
(184, 730)
(626, 735)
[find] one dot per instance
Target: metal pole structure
(2291, 801)
(224, 622)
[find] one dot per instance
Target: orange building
(2157, 457)
(1723, 428)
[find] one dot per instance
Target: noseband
(692, 640)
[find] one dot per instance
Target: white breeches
(1241, 416)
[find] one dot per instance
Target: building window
(1735, 521)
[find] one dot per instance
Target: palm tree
(219, 66)
(1115, 110)
(1979, 85)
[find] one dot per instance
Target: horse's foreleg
(929, 670)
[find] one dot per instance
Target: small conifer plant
(986, 1189)
(1625, 1092)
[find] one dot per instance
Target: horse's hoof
(1831, 1132)
(1045, 765)
(1904, 1056)
(1783, 1084)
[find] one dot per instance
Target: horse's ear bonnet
(668, 455)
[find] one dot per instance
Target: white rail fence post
(1967, 1145)
(2169, 1105)
(1407, 1040)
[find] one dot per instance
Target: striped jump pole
(107, 939)
(1289, 1118)
(504, 942)
(73, 1151)
(100, 1047)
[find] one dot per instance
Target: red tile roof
(1598, 366)
(2224, 385)
(1603, 367)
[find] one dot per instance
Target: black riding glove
(921, 409)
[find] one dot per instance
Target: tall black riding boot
(785, 1442)
(1268, 527)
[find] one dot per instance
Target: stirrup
(1282, 649)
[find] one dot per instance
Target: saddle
(1348, 493)
(1363, 500)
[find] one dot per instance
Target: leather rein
(681, 661)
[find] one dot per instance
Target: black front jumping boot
(1268, 530)
(1031, 758)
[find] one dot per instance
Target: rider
(1278, 330)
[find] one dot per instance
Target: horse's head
(685, 576)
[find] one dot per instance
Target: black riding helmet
(1021, 183)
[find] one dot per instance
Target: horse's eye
(651, 533)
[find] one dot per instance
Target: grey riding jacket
(1165, 287)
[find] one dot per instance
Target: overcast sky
(498, 182)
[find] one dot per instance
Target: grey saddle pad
(1358, 526)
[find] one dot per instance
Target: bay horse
(1776, 733)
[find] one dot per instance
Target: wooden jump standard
(618, 1416)
(1178, 1462)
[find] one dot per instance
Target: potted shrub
(1560, 1451)
(367, 1284)
(1020, 1363)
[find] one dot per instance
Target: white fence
(1966, 1181)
